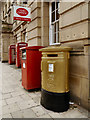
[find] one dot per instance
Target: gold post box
(55, 87)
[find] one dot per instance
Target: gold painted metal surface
(55, 78)
(55, 49)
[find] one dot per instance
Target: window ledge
(55, 44)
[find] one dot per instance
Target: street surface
(19, 103)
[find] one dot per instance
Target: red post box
(31, 67)
(18, 53)
(11, 56)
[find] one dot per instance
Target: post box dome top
(21, 43)
(55, 49)
(11, 46)
(32, 47)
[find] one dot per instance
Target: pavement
(16, 102)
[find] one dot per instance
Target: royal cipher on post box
(31, 67)
(18, 53)
(11, 54)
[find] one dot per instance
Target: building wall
(79, 80)
(74, 24)
(34, 27)
(6, 40)
(19, 29)
(74, 33)
(6, 33)
(45, 23)
(1, 18)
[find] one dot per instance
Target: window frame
(51, 42)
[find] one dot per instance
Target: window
(54, 23)
(5, 8)
(14, 1)
(3, 14)
(25, 1)
(24, 36)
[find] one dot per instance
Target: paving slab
(25, 97)
(28, 113)
(7, 116)
(17, 114)
(14, 99)
(36, 100)
(10, 108)
(45, 116)
(6, 96)
(32, 94)
(38, 111)
(7, 89)
(26, 104)
(73, 114)
(56, 115)
(17, 93)
(4, 102)
(5, 110)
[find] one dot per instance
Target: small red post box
(31, 67)
(18, 52)
(11, 56)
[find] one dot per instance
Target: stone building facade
(57, 24)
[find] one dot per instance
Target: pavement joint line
(6, 102)
(34, 106)
(39, 115)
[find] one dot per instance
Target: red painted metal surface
(31, 67)
(18, 53)
(11, 55)
(22, 19)
(22, 11)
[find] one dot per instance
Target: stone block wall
(74, 24)
(45, 23)
(19, 30)
(34, 27)
(6, 40)
(79, 79)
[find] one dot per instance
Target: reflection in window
(23, 54)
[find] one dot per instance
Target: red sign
(22, 19)
(22, 13)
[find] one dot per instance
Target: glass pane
(57, 26)
(53, 16)
(57, 15)
(57, 5)
(53, 29)
(57, 37)
(53, 6)
(23, 54)
(54, 37)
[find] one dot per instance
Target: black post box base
(57, 102)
